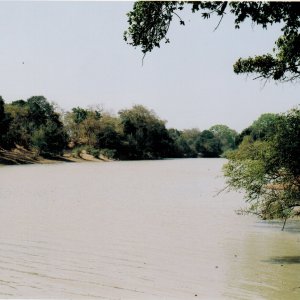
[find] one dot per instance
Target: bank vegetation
(33, 130)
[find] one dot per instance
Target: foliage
(2, 113)
(145, 135)
(226, 136)
(4, 124)
(109, 136)
(267, 169)
(149, 23)
(108, 153)
(39, 111)
(137, 133)
(83, 125)
(95, 128)
(18, 131)
(34, 124)
(263, 128)
(79, 114)
(50, 139)
(287, 142)
(208, 145)
(182, 147)
(191, 136)
(77, 150)
(93, 151)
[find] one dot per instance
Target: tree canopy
(226, 135)
(146, 135)
(267, 168)
(149, 23)
(135, 133)
(208, 145)
(262, 128)
(34, 124)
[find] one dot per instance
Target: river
(138, 230)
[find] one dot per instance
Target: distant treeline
(136, 133)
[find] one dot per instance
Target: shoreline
(21, 156)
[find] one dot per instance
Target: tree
(208, 145)
(262, 128)
(226, 136)
(265, 126)
(183, 143)
(18, 132)
(4, 123)
(50, 138)
(191, 136)
(35, 124)
(2, 113)
(287, 143)
(83, 125)
(94, 130)
(79, 114)
(145, 135)
(149, 23)
(39, 110)
(268, 169)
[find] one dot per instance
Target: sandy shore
(19, 155)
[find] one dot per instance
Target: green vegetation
(266, 166)
(263, 160)
(149, 23)
(144, 134)
(33, 124)
(136, 133)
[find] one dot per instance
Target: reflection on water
(138, 230)
(285, 260)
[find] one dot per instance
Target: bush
(109, 153)
(93, 151)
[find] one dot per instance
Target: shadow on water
(284, 260)
(291, 226)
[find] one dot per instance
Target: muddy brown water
(138, 230)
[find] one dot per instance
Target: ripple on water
(138, 230)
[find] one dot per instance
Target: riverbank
(21, 156)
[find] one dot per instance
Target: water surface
(138, 230)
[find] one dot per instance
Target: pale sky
(74, 55)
